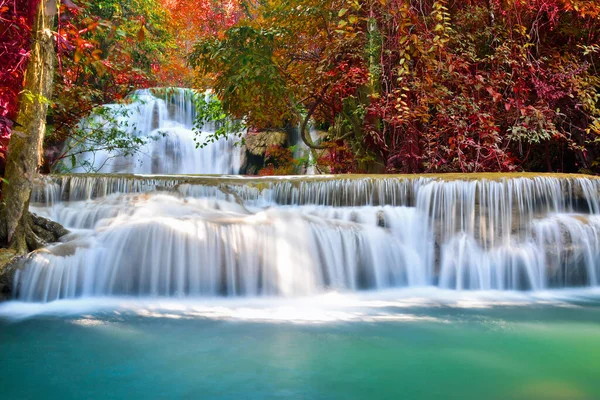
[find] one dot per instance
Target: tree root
(39, 232)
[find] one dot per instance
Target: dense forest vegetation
(391, 85)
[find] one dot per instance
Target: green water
(412, 348)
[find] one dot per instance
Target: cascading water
(234, 236)
(339, 287)
(164, 121)
(303, 151)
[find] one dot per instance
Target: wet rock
(381, 222)
(65, 249)
(48, 230)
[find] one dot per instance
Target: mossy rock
(8, 266)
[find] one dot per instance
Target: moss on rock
(9, 260)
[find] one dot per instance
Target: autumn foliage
(192, 20)
(397, 85)
(487, 86)
(420, 86)
(15, 34)
(106, 49)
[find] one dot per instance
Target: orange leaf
(97, 54)
(77, 56)
(141, 35)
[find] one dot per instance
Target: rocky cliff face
(257, 143)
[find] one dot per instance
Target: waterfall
(303, 151)
(233, 236)
(163, 122)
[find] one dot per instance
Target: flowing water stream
(190, 236)
(307, 287)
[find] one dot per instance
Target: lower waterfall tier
(174, 243)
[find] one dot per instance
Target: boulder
(257, 143)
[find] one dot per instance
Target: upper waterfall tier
(164, 121)
(208, 236)
(558, 192)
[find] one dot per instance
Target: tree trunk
(25, 146)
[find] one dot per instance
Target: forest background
(390, 85)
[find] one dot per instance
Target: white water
(165, 122)
(204, 236)
(405, 305)
(302, 150)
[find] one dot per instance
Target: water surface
(399, 344)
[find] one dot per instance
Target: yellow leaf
(77, 56)
(97, 54)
